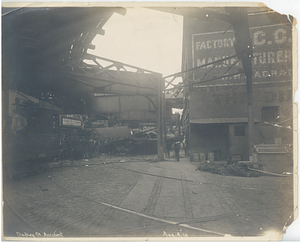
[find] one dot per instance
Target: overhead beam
(198, 67)
(117, 63)
(77, 76)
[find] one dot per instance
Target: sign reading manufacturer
(271, 61)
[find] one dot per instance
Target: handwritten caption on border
(41, 235)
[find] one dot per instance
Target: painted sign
(271, 61)
(71, 120)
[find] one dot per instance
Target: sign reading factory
(271, 61)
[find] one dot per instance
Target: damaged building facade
(215, 94)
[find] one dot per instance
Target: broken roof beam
(117, 63)
(71, 74)
(198, 67)
(113, 87)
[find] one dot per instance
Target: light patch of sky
(144, 38)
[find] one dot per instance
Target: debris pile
(148, 133)
(225, 169)
(140, 142)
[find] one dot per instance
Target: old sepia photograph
(138, 121)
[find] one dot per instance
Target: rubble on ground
(226, 169)
(140, 142)
(147, 133)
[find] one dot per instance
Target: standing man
(185, 147)
(176, 148)
(168, 144)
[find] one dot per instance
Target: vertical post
(159, 118)
(164, 111)
(244, 51)
(250, 116)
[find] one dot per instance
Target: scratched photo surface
(147, 121)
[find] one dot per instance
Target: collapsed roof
(45, 53)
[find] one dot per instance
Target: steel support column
(164, 112)
(250, 116)
(160, 119)
(244, 51)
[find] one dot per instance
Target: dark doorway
(211, 138)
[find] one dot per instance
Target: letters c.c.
(257, 38)
(280, 36)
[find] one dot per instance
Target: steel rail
(213, 79)
(77, 76)
(137, 213)
(198, 67)
(148, 174)
(18, 215)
